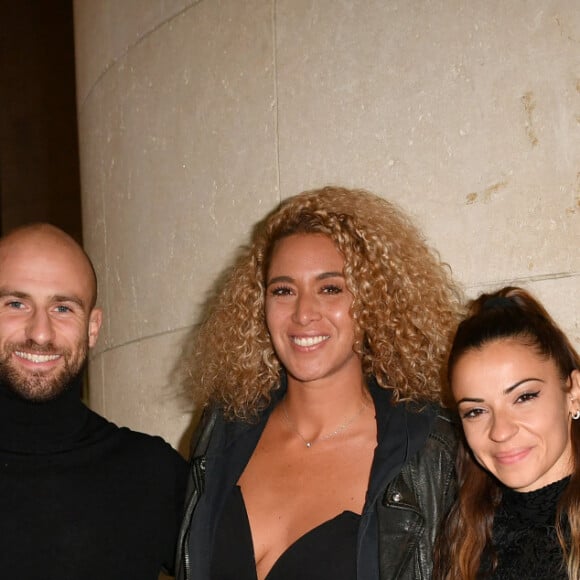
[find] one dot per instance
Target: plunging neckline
(325, 536)
(295, 545)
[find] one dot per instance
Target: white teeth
(37, 358)
(310, 340)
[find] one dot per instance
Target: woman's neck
(325, 408)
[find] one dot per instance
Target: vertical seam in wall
(276, 103)
(102, 381)
(106, 265)
(98, 367)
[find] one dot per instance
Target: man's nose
(39, 328)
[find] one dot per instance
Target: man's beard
(41, 386)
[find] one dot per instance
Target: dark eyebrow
(325, 275)
(7, 292)
(469, 400)
(510, 389)
(73, 299)
(505, 392)
(290, 280)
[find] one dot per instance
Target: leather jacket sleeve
(414, 505)
(195, 487)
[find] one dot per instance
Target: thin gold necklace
(342, 427)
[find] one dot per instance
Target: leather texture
(415, 503)
(408, 514)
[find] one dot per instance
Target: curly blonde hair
(405, 306)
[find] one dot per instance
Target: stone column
(197, 117)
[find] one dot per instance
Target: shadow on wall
(39, 166)
(181, 375)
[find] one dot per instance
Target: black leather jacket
(411, 487)
(414, 504)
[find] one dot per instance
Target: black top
(327, 552)
(81, 498)
(524, 536)
(397, 536)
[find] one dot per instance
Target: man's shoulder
(150, 448)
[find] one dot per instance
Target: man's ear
(95, 321)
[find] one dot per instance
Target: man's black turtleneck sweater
(82, 499)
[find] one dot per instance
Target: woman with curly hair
(515, 380)
(322, 453)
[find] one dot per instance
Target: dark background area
(39, 168)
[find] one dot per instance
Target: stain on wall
(487, 194)
(529, 104)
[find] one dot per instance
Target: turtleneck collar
(538, 506)
(38, 428)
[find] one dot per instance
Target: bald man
(80, 498)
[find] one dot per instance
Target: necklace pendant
(342, 427)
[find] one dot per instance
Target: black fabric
(80, 498)
(327, 552)
(402, 432)
(524, 536)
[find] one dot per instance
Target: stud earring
(576, 415)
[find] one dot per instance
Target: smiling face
(308, 309)
(47, 319)
(516, 412)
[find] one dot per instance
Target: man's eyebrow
(16, 293)
(4, 292)
(62, 298)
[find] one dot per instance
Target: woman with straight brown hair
(514, 379)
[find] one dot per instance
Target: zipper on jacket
(198, 476)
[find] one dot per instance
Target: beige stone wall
(196, 118)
